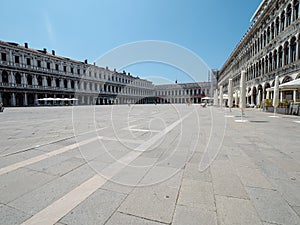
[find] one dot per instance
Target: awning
(292, 85)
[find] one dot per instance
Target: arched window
(277, 26)
(49, 81)
(270, 62)
(57, 82)
(40, 81)
(275, 59)
(280, 57)
(282, 21)
(72, 84)
(293, 49)
(286, 53)
(18, 78)
(4, 77)
(289, 15)
(296, 9)
(65, 83)
(272, 31)
(29, 79)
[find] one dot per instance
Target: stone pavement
(148, 164)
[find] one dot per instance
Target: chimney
(115, 70)
(85, 61)
(128, 74)
(26, 45)
(94, 64)
(45, 50)
(53, 52)
(124, 72)
(106, 68)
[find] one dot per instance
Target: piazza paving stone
(252, 177)
(96, 209)
(124, 219)
(193, 216)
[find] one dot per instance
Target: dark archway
(19, 99)
(18, 78)
(4, 76)
(29, 79)
(40, 81)
(6, 98)
(30, 99)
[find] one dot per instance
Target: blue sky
(88, 29)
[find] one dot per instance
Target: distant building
(269, 48)
(31, 77)
(182, 92)
(27, 75)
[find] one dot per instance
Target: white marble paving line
(38, 158)
(54, 212)
(49, 143)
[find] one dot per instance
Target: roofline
(262, 4)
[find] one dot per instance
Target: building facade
(27, 75)
(182, 93)
(269, 48)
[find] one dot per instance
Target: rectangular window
(72, 70)
(28, 61)
(56, 66)
(17, 59)
(3, 56)
(78, 71)
(65, 68)
(48, 65)
(39, 63)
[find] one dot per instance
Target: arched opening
(287, 95)
(282, 24)
(18, 78)
(254, 95)
(293, 49)
(280, 56)
(65, 83)
(6, 98)
(40, 81)
(260, 89)
(270, 62)
(30, 99)
(267, 85)
(19, 99)
(296, 9)
(286, 53)
(277, 26)
(49, 81)
(275, 59)
(57, 82)
(289, 15)
(29, 79)
(4, 77)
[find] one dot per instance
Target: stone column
(44, 81)
(297, 48)
(36, 99)
(25, 99)
(61, 83)
(295, 95)
(13, 99)
(69, 84)
(76, 85)
(281, 96)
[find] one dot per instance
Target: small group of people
(1, 107)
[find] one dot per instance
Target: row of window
(260, 39)
(180, 92)
(90, 72)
